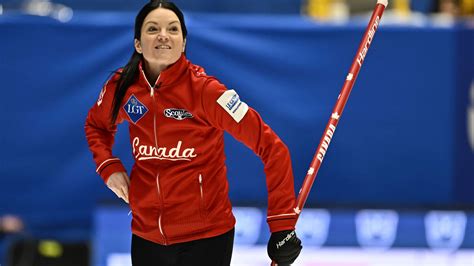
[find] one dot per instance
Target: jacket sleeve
(100, 132)
(224, 110)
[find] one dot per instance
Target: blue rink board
(438, 231)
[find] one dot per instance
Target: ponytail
(127, 77)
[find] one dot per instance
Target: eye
(152, 29)
(174, 29)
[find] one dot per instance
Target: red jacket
(179, 189)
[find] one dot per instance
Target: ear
(184, 45)
(138, 46)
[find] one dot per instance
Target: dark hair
(130, 70)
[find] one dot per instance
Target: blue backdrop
(402, 141)
(228, 6)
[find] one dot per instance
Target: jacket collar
(168, 76)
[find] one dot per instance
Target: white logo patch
(178, 114)
(231, 102)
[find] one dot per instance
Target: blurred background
(396, 186)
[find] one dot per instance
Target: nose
(163, 37)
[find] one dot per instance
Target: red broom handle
(340, 104)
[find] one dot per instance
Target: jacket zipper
(200, 188)
(152, 94)
(157, 174)
(202, 196)
(161, 213)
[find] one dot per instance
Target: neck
(152, 72)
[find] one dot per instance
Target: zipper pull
(152, 89)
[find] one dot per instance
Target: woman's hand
(119, 182)
(284, 247)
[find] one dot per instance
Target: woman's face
(161, 41)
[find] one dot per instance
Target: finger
(118, 192)
(127, 179)
(110, 183)
(125, 193)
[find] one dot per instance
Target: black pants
(214, 251)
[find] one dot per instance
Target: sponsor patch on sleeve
(231, 102)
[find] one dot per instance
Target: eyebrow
(175, 21)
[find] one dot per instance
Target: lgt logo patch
(135, 109)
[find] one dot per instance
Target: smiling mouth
(163, 47)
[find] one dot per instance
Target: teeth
(163, 47)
